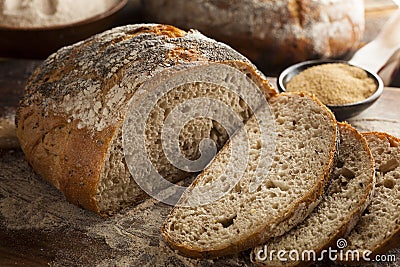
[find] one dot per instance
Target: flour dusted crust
(75, 102)
(272, 33)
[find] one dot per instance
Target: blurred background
(23, 39)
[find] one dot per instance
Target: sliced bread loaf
(306, 136)
(379, 227)
(348, 195)
(69, 123)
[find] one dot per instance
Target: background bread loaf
(272, 33)
(69, 122)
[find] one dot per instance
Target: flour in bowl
(45, 13)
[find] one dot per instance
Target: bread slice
(378, 230)
(306, 136)
(69, 123)
(348, 195)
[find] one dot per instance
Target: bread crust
(272, 33)
(393, 240)
(64, 139)
(67, 157)
(298, 211)
(356, 214)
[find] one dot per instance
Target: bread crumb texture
(379, 226)
(240, 219)
(349, 193)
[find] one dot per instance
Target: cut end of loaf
(117, 188)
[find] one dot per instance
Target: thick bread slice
(378, 230)
(306, 136)
(348, 195)
(69, 122)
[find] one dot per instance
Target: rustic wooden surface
(39, 228)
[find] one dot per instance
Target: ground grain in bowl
(334, 83)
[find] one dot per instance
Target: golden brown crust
(67, 157)
(383, 136)
(299, 209)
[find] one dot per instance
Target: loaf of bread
(272, 33)
(69, 122)
(306, 136)
(378, 230)
(348, 195)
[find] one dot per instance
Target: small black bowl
(341, 112)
